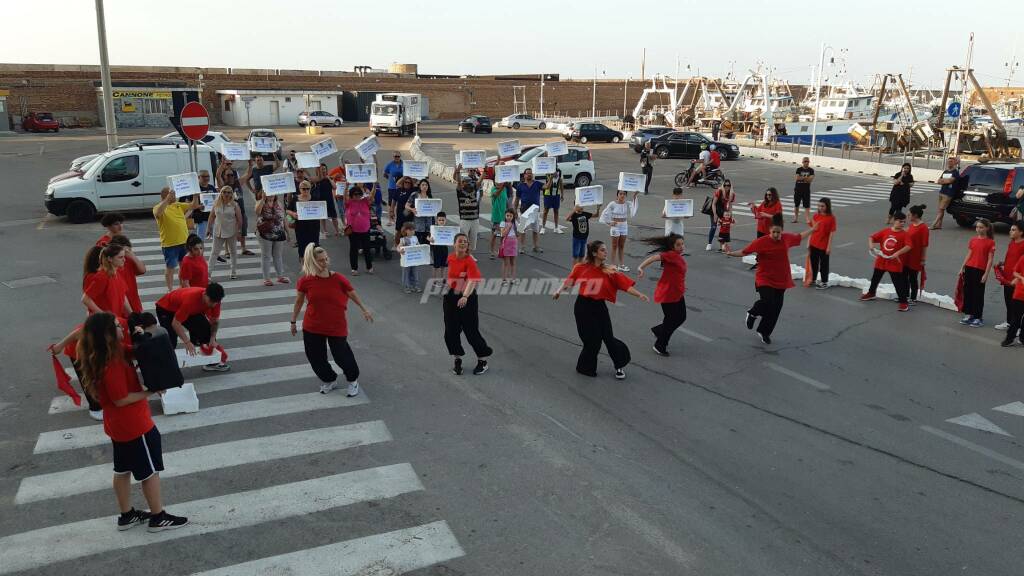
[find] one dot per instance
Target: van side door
(158, 166)
(119, 183)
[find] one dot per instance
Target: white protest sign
(363, 173)
(263, 145)
(543, 165)
(590, 195)
(506, 173)
(678, 208)
(184, 184)
(280, 183)
(528, 216)
(427, 207)
(559, 148)
(443, 235)
(472, 158)
(307, 160)
(234, 151)
(418, 255)
(316, 210)
(415, 169)
(207, 200)
(508, 148)
(324, 147)
(629, 182)
(368, 147)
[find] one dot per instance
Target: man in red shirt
(114, 223)
(192, 314)
(889, 245)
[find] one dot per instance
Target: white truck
(395, 112)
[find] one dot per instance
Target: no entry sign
(195, 121)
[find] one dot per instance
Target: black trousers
(1016, 313)
(648, 171)
(819, 261)
(594, 326)
(899, 281)
(674, 316)
(974, 292)
(912, 276)
(359, 241)
(459, 321)
(198, 326)
(316, 352)
(768, 307)
(1008, 300)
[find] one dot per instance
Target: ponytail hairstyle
(98, 346)
(310, 267)
(777, 219)
(918, 210)
(828, 204)
(110, 251)
(661, 243)
(988, 226)
(91, 263)
(592, 249)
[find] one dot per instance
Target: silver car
(318, 118)
(518, 121)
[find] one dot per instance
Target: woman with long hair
(616, 215)
(889, 245)
(977, 263)
(721, 202)
(820, 244)
(913, 263)
(765, 213)
(671, 289)
(899, 196)
(306, 231)
(422, 223)
(357, 217)
(132, 269)
(270, 229)
(460, 306)
(225, 221)
(598, 284)
(324, 325)
(323, 191)
(105, 290)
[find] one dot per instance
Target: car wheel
(337, 123)
(964, 221)
(661, 152)
(582, 180)
(542, 126)
(615, 139)
(583, 139)
(81, 211)
(515, 125)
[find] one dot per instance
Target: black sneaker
(765, 338)
(481, 367)
(620, 374)
(457, 368)
(164, 521)
(659, 351)
(750, 321)
(1007, 343)
(132, 518)
(221, 259)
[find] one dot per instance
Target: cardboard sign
(316, 210)
(362, 173)
(629, 182)
(415, 169)
(427, 207)
(234, 151)
(418, 255)
(508, 148)
(184, 184)
(529, 216)
(678, 208)
(368, 147)
(207, 199)
(506, 173)
(324, 148)
(280, 183)
(472, 158)
(443, 235)
(263, 145)
(559, 148)
(307, 160)
(544, 165)
(590, 195)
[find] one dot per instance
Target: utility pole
(110, 123)
(541, 95)
(625, 89)
(593, 104)
(643, 63)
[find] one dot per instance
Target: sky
(917, 38)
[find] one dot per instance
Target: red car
(39, 121)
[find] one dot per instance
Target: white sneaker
(96, 415)
(327, 387)
(620, 374)
(542, 229)
(353, 389)
(708, 248)
(624, 268)
(1002, 326)
(559, 230)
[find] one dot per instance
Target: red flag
(208, 350)
(64, 381)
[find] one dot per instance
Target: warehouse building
(272, 107)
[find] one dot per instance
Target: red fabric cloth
(123, 423)
(108, 292)
(187, 302)
(326, 303)
(890, 242)
(129, 277)
(958, 295)
(765, 224)
(773, 260)
(672, 284)
(597, 284)
(64, 381)
(918, 238)
(826, 226)
(980, 249)
(195, 270)
(460, 271)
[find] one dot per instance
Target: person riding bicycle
(709, 159)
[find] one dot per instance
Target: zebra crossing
(853, 195)
(259, 315)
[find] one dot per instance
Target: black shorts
(802, 196)
(142, 456)
(724, 237)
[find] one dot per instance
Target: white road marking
(844, 245)
(160, 257)
(161, 290)
(975, 447)
(157, 275)
(1015, 408)
(696, 335)
(78, 539)
(560, 425)
(797, 376)
(978, 422)
(243, 297)
(234, 313)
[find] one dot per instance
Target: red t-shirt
(108, 292)
(890, 242)
(917, 238)
(716, 159)
(672, 284)
(326, 302)
(1018, 288)
(128, 276)
(773, 260)
(1014, 251)
(826, 226)
(596, 284)
(104, 240)
(725, 224)
(195, 270)
(123, 423)
(187, 302)
(980, 249)
(460, 271)
(765, 224)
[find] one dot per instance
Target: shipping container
(355, 106)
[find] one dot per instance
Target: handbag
(265, 227)
(706, 208)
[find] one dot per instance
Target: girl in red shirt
(132, 269)
(824, 224)
(978, 261)
(773, 277)
(105, 290)
(889, 246)
(324, 324)
(765, 213)
(194, 272)
(598, 283)
(913, 262)
(460, 308)
(1017, 302)
(671, 286)
(1014, 253)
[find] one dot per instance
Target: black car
(584, 132)
(991, 193)
(690, 145)
(641, 135)
(476, 124)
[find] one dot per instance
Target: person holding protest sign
(223, 228)
(393, 172)
(528, 194)
(554, 191)
(306, 231)
(616, 215)
(171, 223)
(467, 192)
(671, 287)
(406, 190)
(227, 176)
(270, 229)
(323, 191)
(357, 213)
(422, 223)
(460, 306)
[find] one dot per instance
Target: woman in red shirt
(773, 277)
(765, 213)
(824, 224)
(1014, 252)
(598, 284)
(980, 252)
(194, 272)
(461, 308)
(105, 290)
(671, 287)
(889, 246)
(324, 324)
(132, 269)
(1017, 303)
(918, 239)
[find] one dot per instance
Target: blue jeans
(409, 280)
(579, 247)
(201, 228)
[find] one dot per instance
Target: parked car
(266, 133)
(642, 135)
(212, 139)
(594, 132)
(476, 123)
(518, 121)
(319, 118)
(567, 130)
(690, 145)
(39, 122)
(991, 193)
(77, 163)
(577, 166)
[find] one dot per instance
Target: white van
(122, 180)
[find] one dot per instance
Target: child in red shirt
(889, 245)
(725, 230)
(977, 263)
(194, 272)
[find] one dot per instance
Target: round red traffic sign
(195, 121)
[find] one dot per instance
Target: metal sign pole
(191, 155)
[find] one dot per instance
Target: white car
(577, 167)
(212, 139)
(319, 118)
(266, 133)
(517, 121)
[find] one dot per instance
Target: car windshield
(263, 134)
(44, 116)
(385, 109)
(530, 155)
(85, 167)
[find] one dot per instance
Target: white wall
(259, 113)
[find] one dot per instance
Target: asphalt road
(831, 451)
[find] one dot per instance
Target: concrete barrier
(841, 164)
(434, 167)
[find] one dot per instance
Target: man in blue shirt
(528, 194)
(394, 173)
(950, 181)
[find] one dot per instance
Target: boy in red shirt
(114, 223)
(192, 314)
(889, 245)
(725, 230)
(194, 272)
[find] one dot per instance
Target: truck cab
(395, 113)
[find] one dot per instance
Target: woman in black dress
(899, 197)
(306, 231)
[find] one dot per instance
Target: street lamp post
(110, 123)
(817, 96)
(593, 101)
(541, 95)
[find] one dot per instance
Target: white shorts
(620, 229)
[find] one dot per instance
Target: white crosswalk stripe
(218, 275)
(235, 297)
(159, 257)
(848, 196)
(230, 284)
